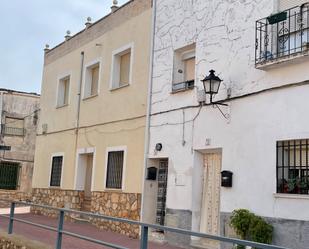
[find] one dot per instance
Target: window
(63, 91)
(293, 166)
(9, 174)
(55, 178)
(114, 169)
(122, 67)
(184, 68)
(92, 80)
(13, 127)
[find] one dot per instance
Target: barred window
(114, 169)
(55, 178)
(9, 174)
(293, 166)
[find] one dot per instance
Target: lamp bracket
(225, 115)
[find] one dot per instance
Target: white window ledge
(291, 196)
(119, 87)
(91, 96)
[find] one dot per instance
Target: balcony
(12, 131)
(282, 38)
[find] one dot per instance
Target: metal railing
(182, 86)
(143, 226)
(12, 131)
(282, 34)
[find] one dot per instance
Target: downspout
(149, 101)
(79, 95)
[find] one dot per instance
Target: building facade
(90, 142)
(19, 115)
(261, 136)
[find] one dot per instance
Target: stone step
(81, 219)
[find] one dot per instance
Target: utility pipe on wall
(149, 101)
(82, 56)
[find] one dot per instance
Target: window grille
(9, 174)
(114, 169)
(55, 178)
(293, 166)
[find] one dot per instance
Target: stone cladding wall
(121, 205)
(13, 195)
(59, 198)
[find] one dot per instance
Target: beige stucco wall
(113, 118)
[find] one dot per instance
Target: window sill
(120, 87)
(291, 196)
(113, 190)
(91, 96)
(61, 106)
(55, 187)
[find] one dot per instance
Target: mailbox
(226, 178)
(152, 173)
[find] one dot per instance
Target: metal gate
(162, 186)
(9, 175)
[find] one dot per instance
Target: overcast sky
(27, 25)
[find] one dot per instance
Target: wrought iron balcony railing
(182, 86)
(282, 34)
(12, 131)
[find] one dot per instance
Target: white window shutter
(288, 4)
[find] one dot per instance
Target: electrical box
(152, 173)
(226, 179)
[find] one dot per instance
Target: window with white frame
(56, 169)
(122, 67)
(114, 170)
(92, 80)
(63, 91)
(184, 68)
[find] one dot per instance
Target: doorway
(211, 198)
(162, 189)
(84, 178)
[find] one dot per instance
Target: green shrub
(251, 227)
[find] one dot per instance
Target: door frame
(81, 151)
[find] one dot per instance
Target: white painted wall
(224, 33)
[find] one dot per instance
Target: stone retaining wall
(71, 199)
(19, 242)
(13, 195)
(115, 204)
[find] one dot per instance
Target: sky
(27, 25)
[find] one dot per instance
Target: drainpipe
(79, 94)
(82, 55)
(149, 101)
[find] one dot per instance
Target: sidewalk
(49, 237)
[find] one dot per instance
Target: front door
(162, 187)
(88, 177)
(211, 198)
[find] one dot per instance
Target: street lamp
(211, 85)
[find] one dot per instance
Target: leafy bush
(251, 227)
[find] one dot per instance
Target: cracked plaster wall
(224, 33)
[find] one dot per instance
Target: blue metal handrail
(144, 229)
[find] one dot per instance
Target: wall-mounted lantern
(226, 179)
(211, 85)
(152, 173)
